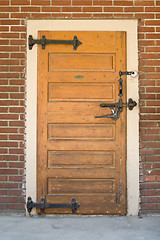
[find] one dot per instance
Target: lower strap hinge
(42, 205)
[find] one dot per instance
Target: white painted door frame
(130, 26)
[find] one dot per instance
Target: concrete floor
(79, 228)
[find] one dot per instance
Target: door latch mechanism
(42, 205)
(117, 108)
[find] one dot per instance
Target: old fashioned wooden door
(80, 156)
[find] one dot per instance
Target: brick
(4, 28)
(148, 124)
(113, 9)
(153, 76)
(14, 192)
(4, 95)
(3, 109)
(123, 3)
(8, 130)
(17, 123)
(8, 89)
(123, 15)
(4, 2)
(16, 137)
(152, 145)
(9, 22)
(16, 109)
(17, 95)
(40, 2)
(152, 158)
(71, 9)
(61, 2)
(146, 138)
(101, 3)
(41, 15)
(152, 22)
(4, 15)
(150, 117)
(157, 3)
(148, 206)
(51, 9)
(3, 178)
(152, 186)
(82, 3)
(3, 69)
(2, 123)
(20, 15)
(20, 2)
(18, 206)
(15, 178)
(9, 48)
(9, 75)
(9, 116)
(153, 49)
(152, 9)
(146, 29)
(16, 151)
(9, 9)
(9, 102)
(153, 36)
(30, 9)
(149, 179)
(18, 29)
(144, 15)
(3, 137)
(144, 3)
(9, 35)
(147, 96)
(3, 192)
(3, 151)
(134, 9)
(8, 172)
(3, 164)
(16, 165)
(152, 62)
(147, 56)
(9, 158)
(8, 199)
(17, 82)
(147, 69)
(81, 15)
(8, 144)
(18, 42)
(9, 62)
(147, 83)
(146, 43)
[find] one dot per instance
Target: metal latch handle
(117, 108)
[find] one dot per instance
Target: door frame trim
(130, 26)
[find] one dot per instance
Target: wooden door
(80, 156)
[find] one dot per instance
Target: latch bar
(31, 42)
(117, 108)
(42, 205)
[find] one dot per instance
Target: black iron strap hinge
(42, 205)
(31, 42)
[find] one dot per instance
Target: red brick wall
(13, 15)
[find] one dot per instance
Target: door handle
(117, 108)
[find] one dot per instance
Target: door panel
(78, 155)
